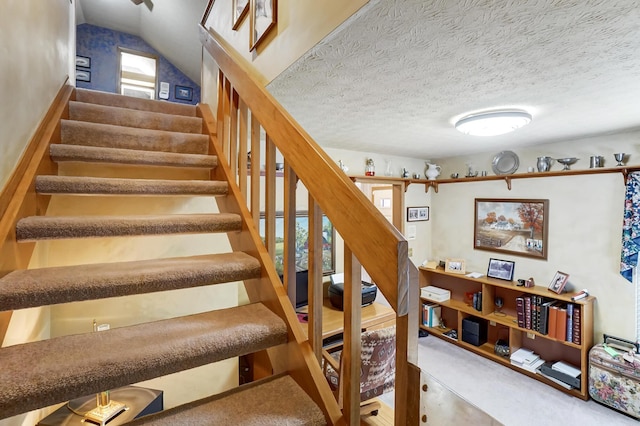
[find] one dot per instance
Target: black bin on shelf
(474, 331)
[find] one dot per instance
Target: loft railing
(252, 128)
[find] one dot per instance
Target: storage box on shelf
(495, 322)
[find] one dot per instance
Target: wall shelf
(624, 170)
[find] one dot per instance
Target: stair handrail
(378, 245)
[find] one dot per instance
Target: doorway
(137, 73)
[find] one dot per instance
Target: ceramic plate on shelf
(505, 163)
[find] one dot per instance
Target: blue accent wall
(101, 46)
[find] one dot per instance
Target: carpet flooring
(508, 396)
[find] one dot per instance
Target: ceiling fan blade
(136, 2)
(149, 4)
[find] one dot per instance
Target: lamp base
(101, 415)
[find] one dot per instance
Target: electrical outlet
(531, 336)
(492, 323)
(410, 251)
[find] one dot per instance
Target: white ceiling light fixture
(493, 123)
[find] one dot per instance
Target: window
(137, 74)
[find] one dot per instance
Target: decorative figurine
(370, 169)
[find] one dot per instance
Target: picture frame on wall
(558, 282)
(416, 214)
(501, 269)
(240, 10)
(83, 75)
(512, 226)
(183, 93)
(83, 61)
(263, 20)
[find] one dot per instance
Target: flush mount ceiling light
(493, 123)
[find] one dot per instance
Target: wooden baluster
(242, 152)
(220, 109)
(226, 105)
(255, 170)
(233, 135)
(315, 278)
(352, 338)
(290, 233)
(270, 196)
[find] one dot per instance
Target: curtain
(631, 227)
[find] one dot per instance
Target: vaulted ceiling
(394, 78)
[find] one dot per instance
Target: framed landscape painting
(514, 226)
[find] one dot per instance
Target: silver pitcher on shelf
(544, 164)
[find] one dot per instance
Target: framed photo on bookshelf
(454, 266)
(558, 282)
(501, 269)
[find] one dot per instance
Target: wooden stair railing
(251, 125)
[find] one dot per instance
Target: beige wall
(35, 49)
(37, 45)
(300, 25)
(585, 223)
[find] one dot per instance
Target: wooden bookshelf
(503, 323)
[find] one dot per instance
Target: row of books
(431, 314)
(557, 319)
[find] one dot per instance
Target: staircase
(107, 129)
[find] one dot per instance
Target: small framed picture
(501, 269)
(416, 214)
(240, 10)
(454, 266)
(558, 282)
(184, 93)
(83, 61)
(82, 75)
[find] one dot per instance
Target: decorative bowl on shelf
(567, 161)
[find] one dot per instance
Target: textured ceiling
(171, 27)
(394, 78)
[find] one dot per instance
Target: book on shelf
(527, 312)
(566, 368)
(544, 316)
(533, 367)
(553, 320)
(431, 314)
(561, 326)
(520, 311)
(577, 326)
(569, 333)
(523, 356)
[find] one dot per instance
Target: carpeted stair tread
(82, 111)
(50, 184)
(276, 400)
(112, 99)
(62, 152)
(47, 286)
(110, 136)
(47, 372)
(35, 228)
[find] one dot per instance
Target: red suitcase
(614, 375)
